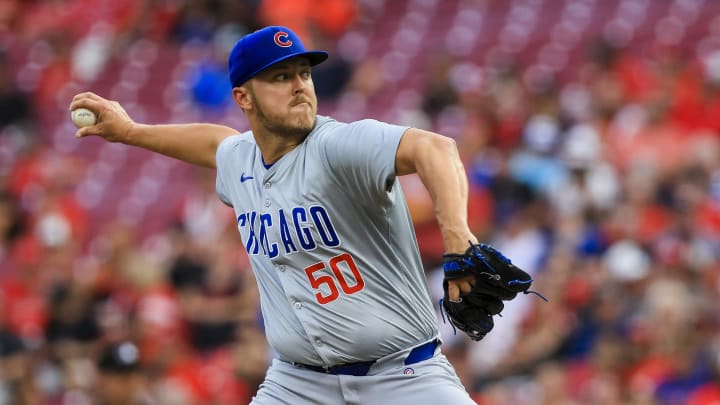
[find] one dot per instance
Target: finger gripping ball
(82, 117)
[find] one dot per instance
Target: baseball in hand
(82, 117)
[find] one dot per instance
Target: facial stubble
(277, 124)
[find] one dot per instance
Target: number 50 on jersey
(337, 264)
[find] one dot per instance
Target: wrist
(458, 243)
(129, 135)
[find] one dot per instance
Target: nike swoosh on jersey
(244, 178)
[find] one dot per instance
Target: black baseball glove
(496, 280)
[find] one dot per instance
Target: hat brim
(315, 58)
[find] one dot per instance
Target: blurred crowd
(603, 182)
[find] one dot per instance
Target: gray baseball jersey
(331, 243)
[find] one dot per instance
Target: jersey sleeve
(363, 156)
(221, 160)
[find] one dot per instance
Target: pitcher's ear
(243, 97)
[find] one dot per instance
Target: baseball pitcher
(324, 221)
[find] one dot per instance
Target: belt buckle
(324, 370)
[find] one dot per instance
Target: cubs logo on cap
(264, 48)
(281, 39)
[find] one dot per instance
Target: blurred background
(590, 130)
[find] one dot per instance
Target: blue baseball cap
(263, 48)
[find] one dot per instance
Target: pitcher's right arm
(191, 143)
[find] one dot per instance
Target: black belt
(416, 355)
